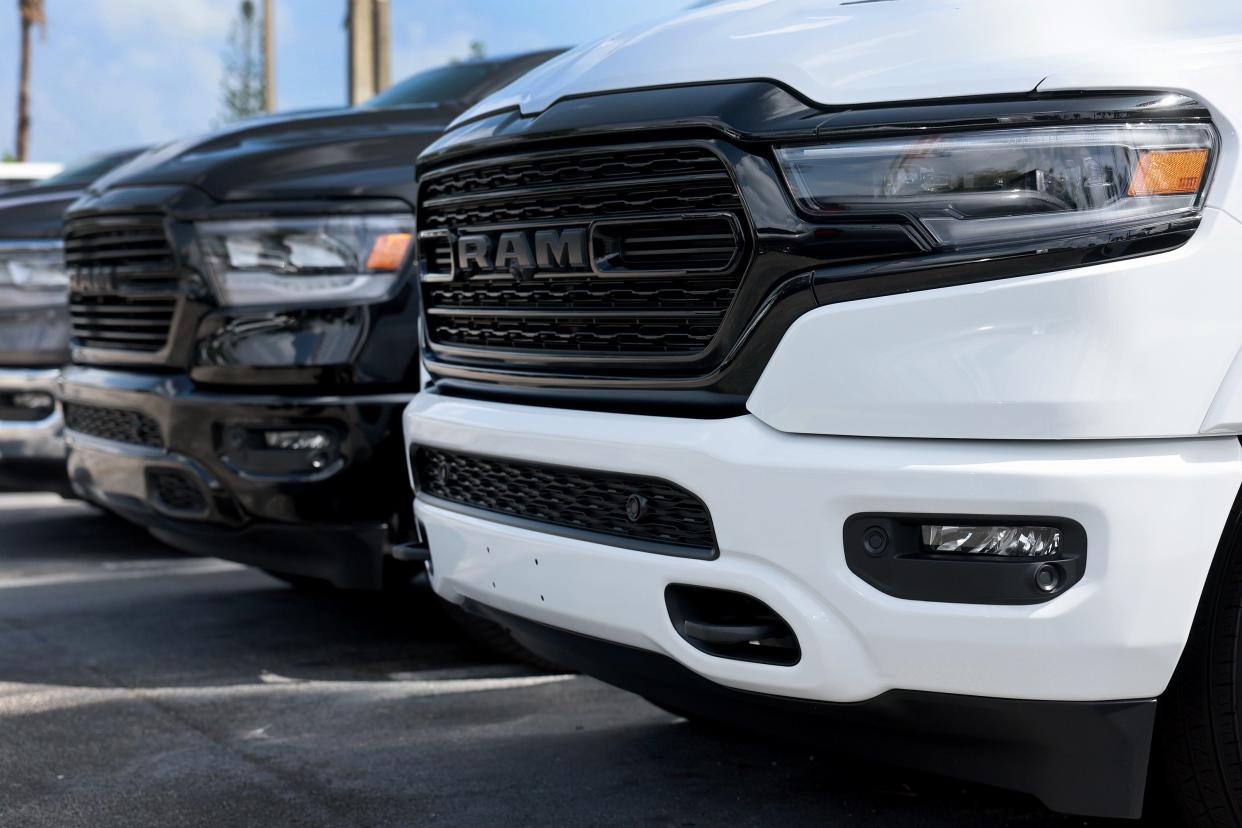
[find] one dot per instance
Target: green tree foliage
(477, 51)
(243, 86)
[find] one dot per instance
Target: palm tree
(32, 14)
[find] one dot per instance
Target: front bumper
(1056, 698)
(1153, 512)
(331, 523)
(1084, 757)
(32, 452)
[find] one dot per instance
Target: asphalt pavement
(139, 686)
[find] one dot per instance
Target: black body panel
(152, 338)
(32, 337)
(161, 452)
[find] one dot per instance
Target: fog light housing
(26, 406)
(967, 559)
(998, 541)
(282, 452)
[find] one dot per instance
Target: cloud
(114, 73)
(125, 72)
(192, 19)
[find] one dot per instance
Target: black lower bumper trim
(1087, 758)
(35, 475)
(348, 557)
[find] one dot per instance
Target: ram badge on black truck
(244, 336)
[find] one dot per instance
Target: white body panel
(1152, 511)
(1135, 348)
(839, 54)
(1110, 395)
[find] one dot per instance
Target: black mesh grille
(115, 424)
(123, 282)
(640, 334)
(587, 293)
(175, 490)
(667, 271)
(618, 505)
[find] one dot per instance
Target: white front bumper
(1153, 512)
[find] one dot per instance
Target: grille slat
(587, 189)
(123, 277)
(116, 424)
(668, 248)
(625, 507)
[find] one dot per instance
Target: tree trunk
(23, 95)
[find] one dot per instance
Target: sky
(109, 74)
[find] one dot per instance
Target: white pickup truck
(866, 370)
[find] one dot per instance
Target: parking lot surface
(139, 686)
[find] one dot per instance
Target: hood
(836, 52)
(35, 212)
(312, 154)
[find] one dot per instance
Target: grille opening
(625, 510)
(123, 282)
(731, 625)
(703, 244)
(576, 168)
(116, 424)
(175, 491)
(669, 269)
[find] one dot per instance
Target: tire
(495, 638)
(1199, 719)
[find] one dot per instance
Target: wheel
(1199, 729)
(495, 638)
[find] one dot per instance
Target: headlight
(298, 261)
(32, 273)
(976, 189)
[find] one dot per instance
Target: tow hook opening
(731, 625)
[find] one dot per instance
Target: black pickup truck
(244, 333)
(34, 324)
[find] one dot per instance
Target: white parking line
(18, 699)
(127, 571)
(13, 502)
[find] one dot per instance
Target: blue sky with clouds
(114, 73)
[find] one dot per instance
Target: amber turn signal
(1169, 172)
(388, 251)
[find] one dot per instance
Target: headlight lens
(298, 261)
(33, 265)
(32, 274)
(975, 189)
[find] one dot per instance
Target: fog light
(995, 541)
(281, 452)
(33, 399)
(26, 406)
(297, 440)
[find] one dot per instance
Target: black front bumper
(1086, 758)
(177, 476)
